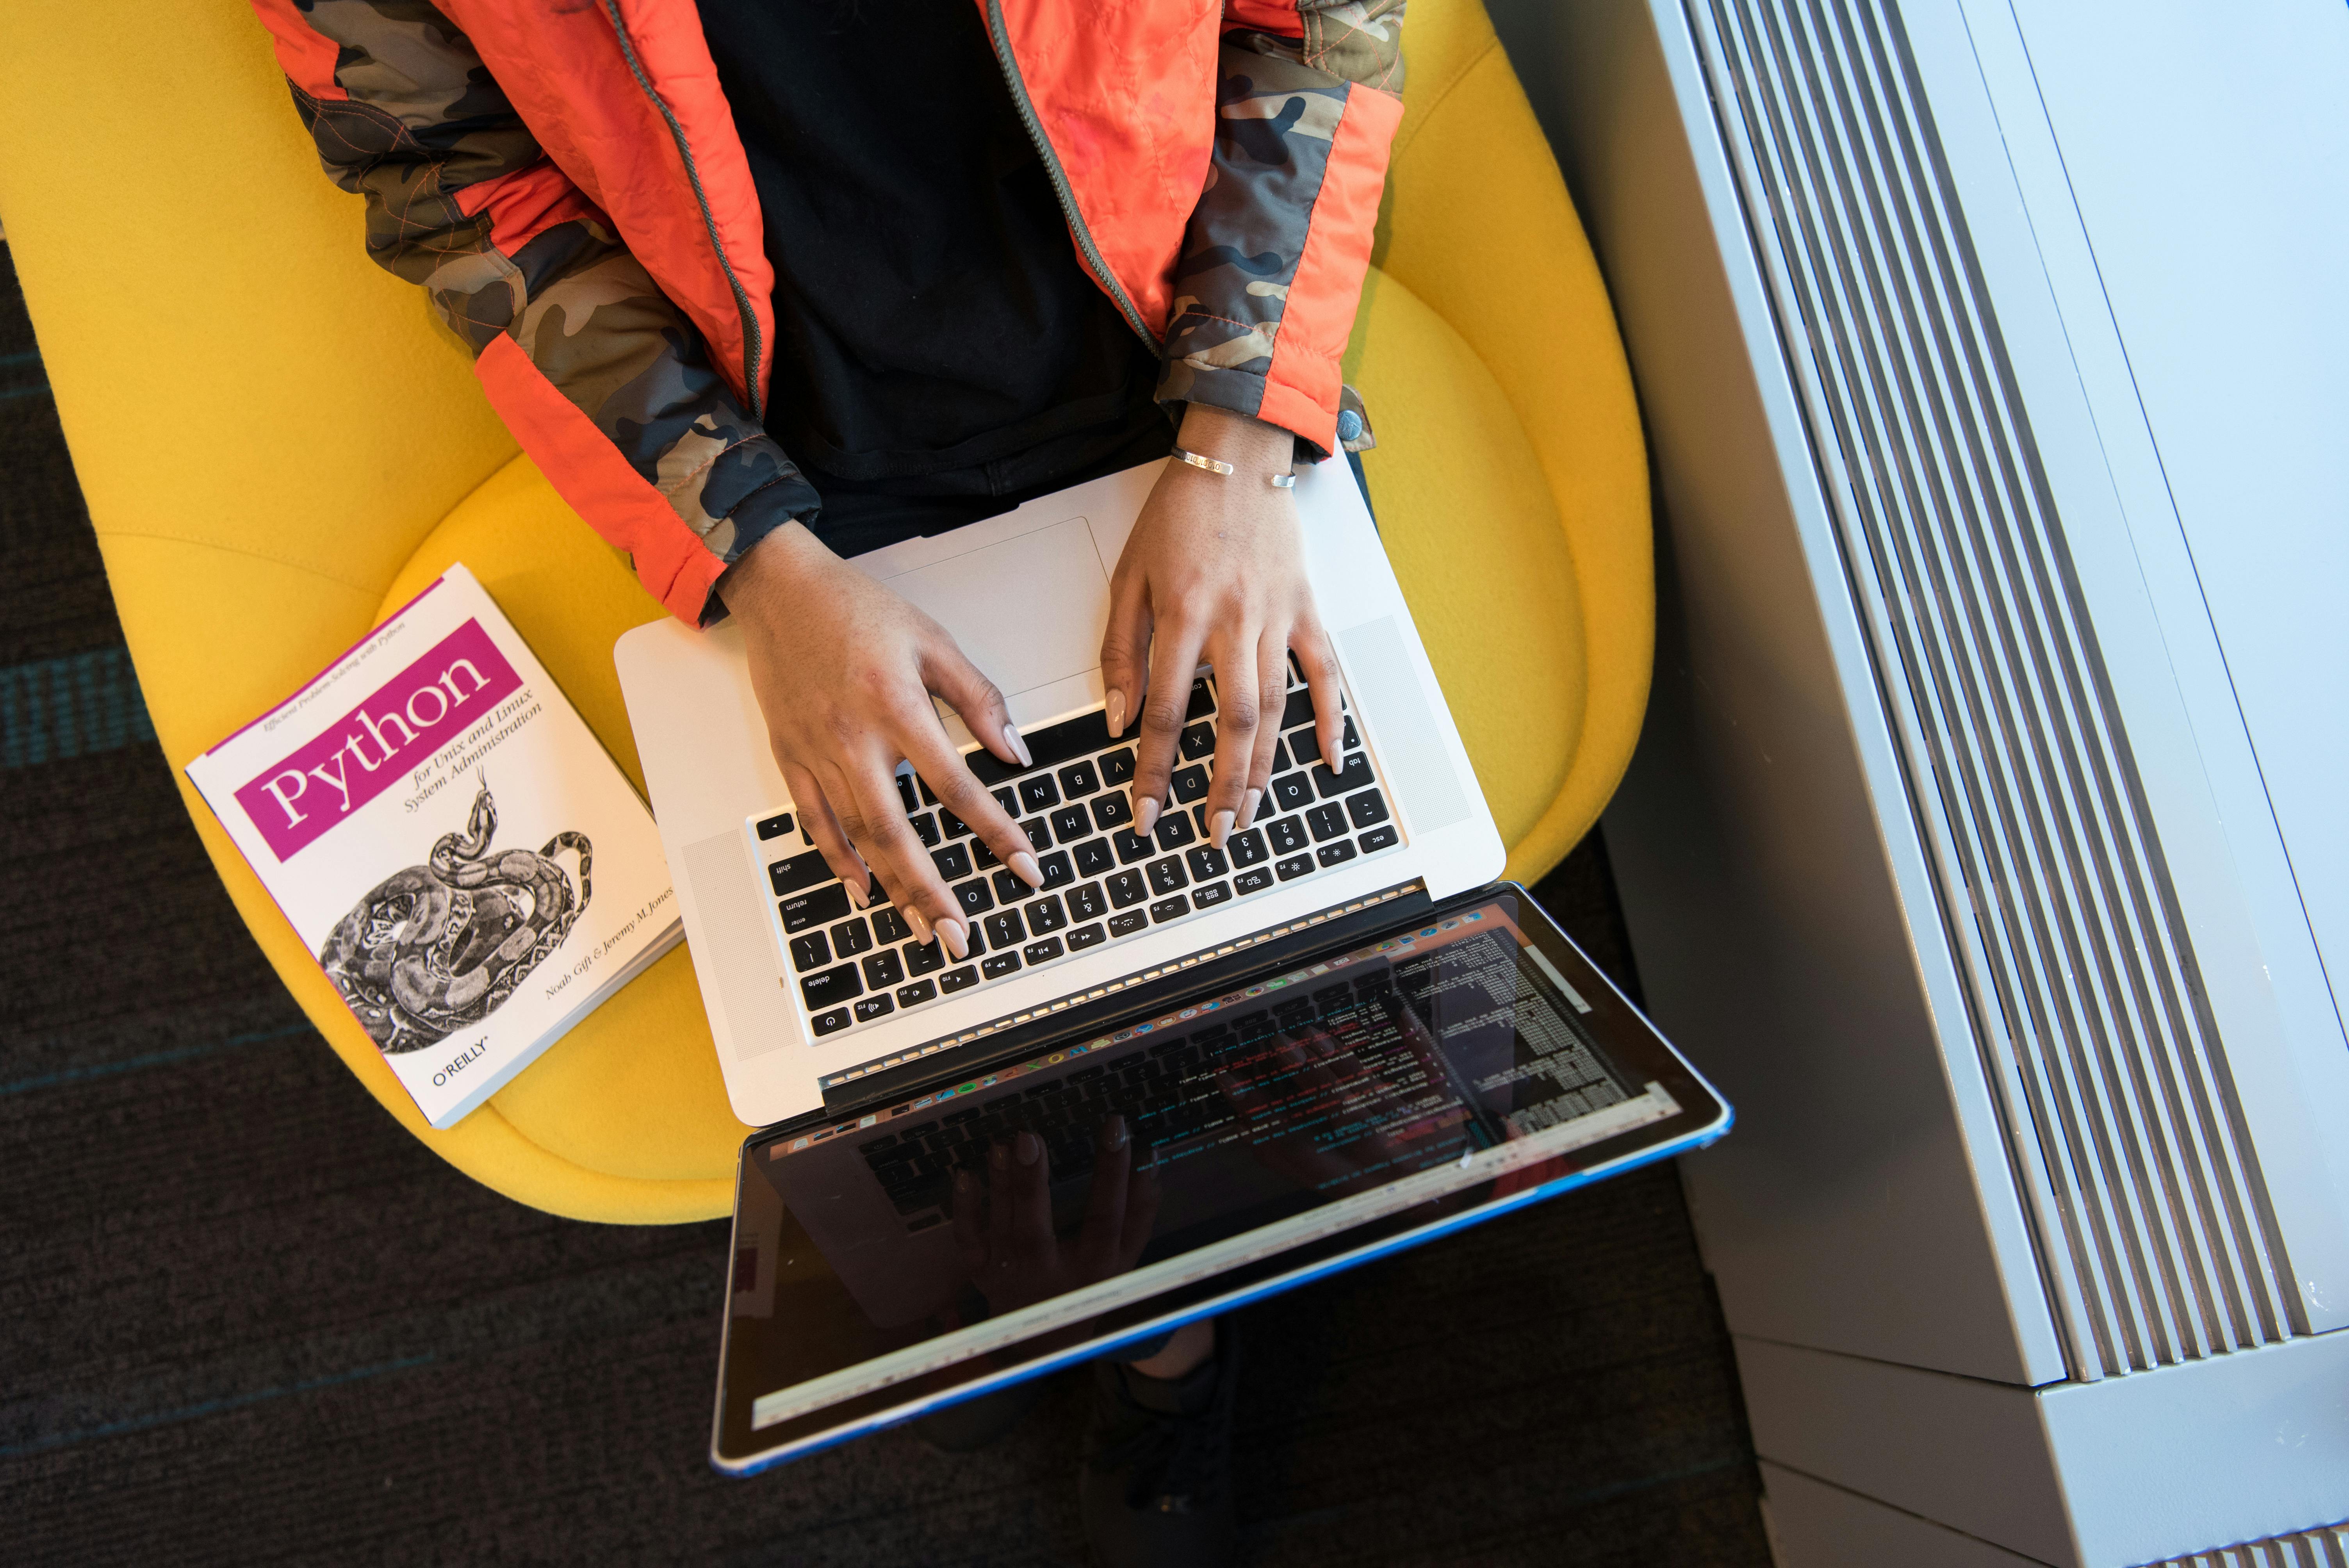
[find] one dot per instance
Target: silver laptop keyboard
(1103, 881)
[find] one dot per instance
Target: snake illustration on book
(438, 947)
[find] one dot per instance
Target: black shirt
(939, 354)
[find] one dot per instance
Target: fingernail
(999, 1157)
(856, 894)
(1028, 1146)
(920, 922)
(1114, 711)
(1219, 828)
(962, 1181)
(1114, 1136)
(1018, 746)
(951, 937)
(1023, 865)
(1248, 806)
(1145, 817)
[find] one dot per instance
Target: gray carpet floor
(245, 1318)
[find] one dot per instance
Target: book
(466, 862)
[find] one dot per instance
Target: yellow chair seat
(277, 446)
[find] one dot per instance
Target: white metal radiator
(1986, 839)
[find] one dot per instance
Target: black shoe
(1157, 1484)
(967, 1427)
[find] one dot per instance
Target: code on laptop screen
(1388, 1064)
(1170, 1151)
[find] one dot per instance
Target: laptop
(1185, 1074)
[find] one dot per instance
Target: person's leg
(1175, 1353)
(979, 1423)
(1156, 1482)
(975, 1424)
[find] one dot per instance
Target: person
(763, 285)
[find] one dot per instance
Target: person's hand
(1215, 569)
(1014, 1257)
(843, 670)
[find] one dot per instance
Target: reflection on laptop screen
(1036, 1192)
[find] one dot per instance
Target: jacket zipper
(1001, 40)
(753, 349)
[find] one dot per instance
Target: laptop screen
(1094, 1189)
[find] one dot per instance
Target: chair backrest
(236, 380)
(233, 376)
(225, 356)
(227, 361)
(1477, 223)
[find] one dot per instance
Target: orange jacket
(566, 180)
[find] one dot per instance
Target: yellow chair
(278, 444)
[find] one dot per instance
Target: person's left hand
(1214, 570)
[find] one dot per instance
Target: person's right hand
(843, 670)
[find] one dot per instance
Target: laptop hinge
(973, 1051)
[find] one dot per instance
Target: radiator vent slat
(2301, 1549)
(2155, 1238)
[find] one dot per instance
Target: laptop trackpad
(1028, 611)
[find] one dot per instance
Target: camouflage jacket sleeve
(602, 379)
(1308, 98)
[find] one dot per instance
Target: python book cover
(463, 858)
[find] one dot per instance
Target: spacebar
(1078, 737)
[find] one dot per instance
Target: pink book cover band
(457, 681)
